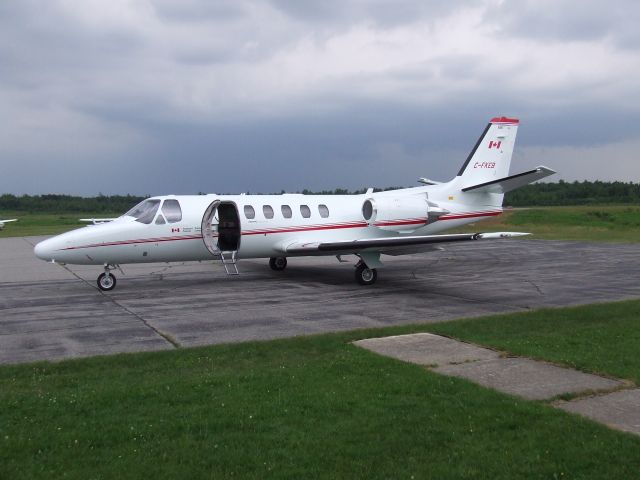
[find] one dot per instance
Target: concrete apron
(530, 379)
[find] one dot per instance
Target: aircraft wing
(7, 221)
(397, 245)
(96, 221)
(506, 184)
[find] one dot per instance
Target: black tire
(278, 263)
(366, 275)
(106, 282)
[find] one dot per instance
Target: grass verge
(587, 223)
(608, 223)
(305, 407)
(30, 224)
(601, 338)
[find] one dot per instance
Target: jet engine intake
(399, 214)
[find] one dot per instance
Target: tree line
(574, 193)
(538, 194)
(52, 203)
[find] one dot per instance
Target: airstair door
(221, 233)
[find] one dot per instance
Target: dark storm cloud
(163, 96)
(571, 20)
(389, 13)
(200, 10)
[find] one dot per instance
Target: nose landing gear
(107, 280)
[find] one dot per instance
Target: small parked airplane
(231, 227)
(2, 222)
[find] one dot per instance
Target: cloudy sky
(187, 96)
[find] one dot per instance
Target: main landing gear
(365, 275)
(278, 263)
(107, 280)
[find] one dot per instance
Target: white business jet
(231, 227)
(2, 222)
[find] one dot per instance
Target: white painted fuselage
(126, 240)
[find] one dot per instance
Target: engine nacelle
(398, 214)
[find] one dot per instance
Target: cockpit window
(172, 211)
(145, 211)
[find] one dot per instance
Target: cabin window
(249, 212)
(286, 211)
(145, 211)
(172, 211)
(323, 210)
(305, 211)
(267, 211)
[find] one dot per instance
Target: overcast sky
(187, 96)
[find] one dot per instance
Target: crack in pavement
(168, 338)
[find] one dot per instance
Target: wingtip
(547, 170)
(498, 235)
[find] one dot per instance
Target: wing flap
(388, 244)
(506, 184)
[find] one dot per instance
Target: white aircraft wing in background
(96, 221)
(2, 222)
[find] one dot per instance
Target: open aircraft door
(221, 233)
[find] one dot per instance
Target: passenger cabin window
(172, 211)
(305, 211)
(267, 211)
(323, 210)
(286, 211)
(145, 211)
(249, 212)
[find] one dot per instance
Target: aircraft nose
(44, 250)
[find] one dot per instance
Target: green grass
(29, 224)
(601, 338)
(587, 223)
(310, 407)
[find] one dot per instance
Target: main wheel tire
(278, 263)
(106, 281)
(366, 275)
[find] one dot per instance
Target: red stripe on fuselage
(468, 215)
(310, 228)
(141, 240)
(406, 221)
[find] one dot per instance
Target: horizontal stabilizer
(387, 244)
(506, 184)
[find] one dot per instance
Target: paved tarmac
(52, 312)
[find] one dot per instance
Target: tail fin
(491, 156)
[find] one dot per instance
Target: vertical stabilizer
(491, 156)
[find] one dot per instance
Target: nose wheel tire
(278, 263)
(366, 275)
(106, 281)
